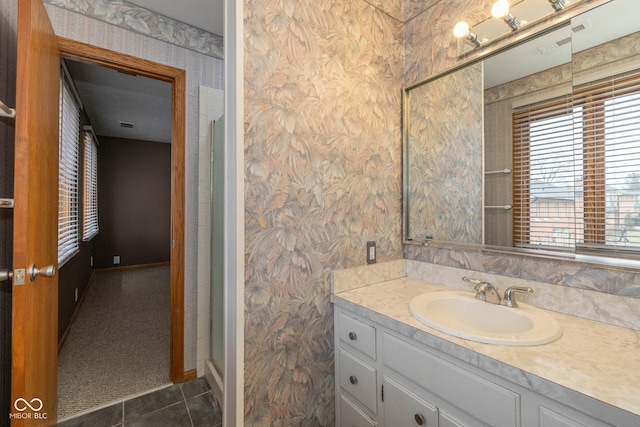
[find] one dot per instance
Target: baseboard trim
(132, 267)
(214, 379)
(189, 375)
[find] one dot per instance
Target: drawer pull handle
(420, 420)
(352, 336)
(353, 380)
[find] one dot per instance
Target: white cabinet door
(447, 420)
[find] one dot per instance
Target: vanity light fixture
(557, 5)
(462, 30)
(500, 10)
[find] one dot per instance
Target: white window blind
(608, 128)
(90, 193)
(544, 175)
(577, 169)
(68, 227)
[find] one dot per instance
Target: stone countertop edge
(580, 360)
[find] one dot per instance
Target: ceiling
(111, 98)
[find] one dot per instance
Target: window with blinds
(68, 223)
(90, 186)
(577, 169)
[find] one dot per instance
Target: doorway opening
(174, 269)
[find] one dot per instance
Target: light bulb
(500, 9)
(461, 29)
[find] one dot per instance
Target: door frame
(96, 55)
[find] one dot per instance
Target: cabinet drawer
(402, 408)
(357, 334)
(358, 379)
(463, 389)
(351, 416)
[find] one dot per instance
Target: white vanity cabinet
(356, 371)
(464, 397)
(384, 378)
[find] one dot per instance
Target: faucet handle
(480, 287)
(510, 299)
(472, 280)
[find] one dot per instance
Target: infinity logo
(26, 404)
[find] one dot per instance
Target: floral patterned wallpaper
(142, 21)
(322, 177)
(444, 156)
(430, 47)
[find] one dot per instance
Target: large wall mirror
(535, 148)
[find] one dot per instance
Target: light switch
(371, 252)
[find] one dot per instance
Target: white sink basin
(458, 313)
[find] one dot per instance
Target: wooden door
(35, 300)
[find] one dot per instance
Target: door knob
(48, 271)
(5, 275)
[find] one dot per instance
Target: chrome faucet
(510, 299)
(485, 291)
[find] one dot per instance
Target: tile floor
(191, 404)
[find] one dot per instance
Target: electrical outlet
(76, 295)
(371, 252)
(116, 259)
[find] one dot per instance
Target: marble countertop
(596, 359)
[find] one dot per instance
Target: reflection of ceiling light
(557, 4)
(500, 10)
(462, 30)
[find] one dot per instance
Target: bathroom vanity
(392, 370)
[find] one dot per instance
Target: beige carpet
(118, 345)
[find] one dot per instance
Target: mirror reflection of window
(533, 79)
(579, 155)
(561, 141)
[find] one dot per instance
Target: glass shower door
(217, 246)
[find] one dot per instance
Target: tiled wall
(322, 177)
(202, 70)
